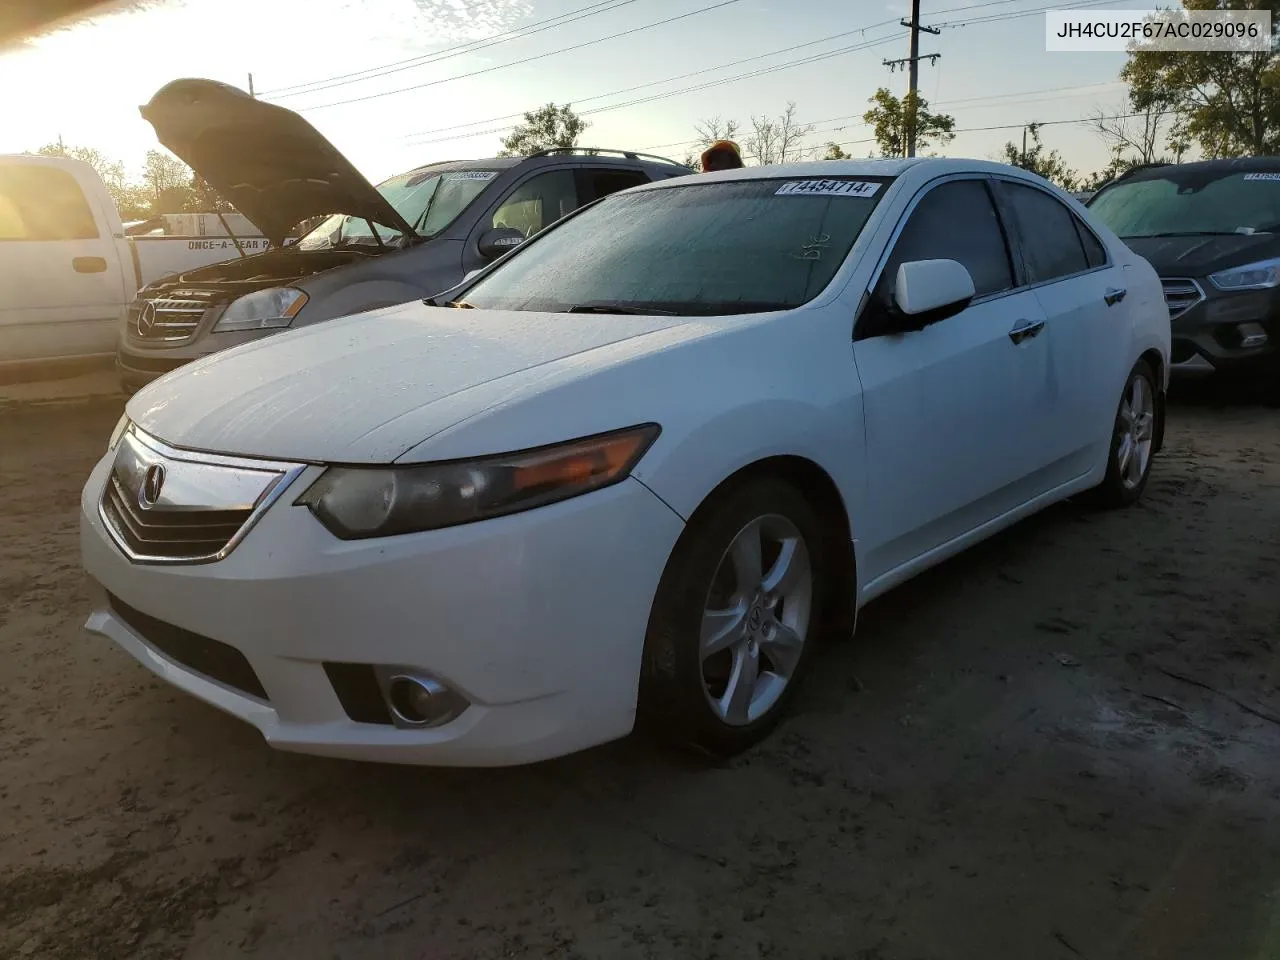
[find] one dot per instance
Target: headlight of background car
(121, 426)
(358, 502)
(262, 310)
(1252, 276)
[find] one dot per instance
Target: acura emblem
(152, 484)
(147, 320)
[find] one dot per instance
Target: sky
(85, 83)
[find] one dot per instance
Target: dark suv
(1212, 232)
(411, 237)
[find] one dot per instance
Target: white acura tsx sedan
(634, 470)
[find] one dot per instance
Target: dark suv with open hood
(1212, 232)
(411, 237)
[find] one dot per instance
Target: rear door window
(1051, 243)
(597, 182)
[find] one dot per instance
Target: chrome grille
(163, 505)
(171, 535)
(166, 318)
(1181, 295)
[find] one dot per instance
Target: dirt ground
(1061, 745)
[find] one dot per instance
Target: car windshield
(707, 249)
(429, 201)
(1189, 203)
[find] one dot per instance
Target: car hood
(266, 161)
(368, 388)
(1199, 256)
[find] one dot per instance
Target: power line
(515, 33)
(815, 58)
(369, 73)
(539, 56)
(655, 83)
(1017, 14)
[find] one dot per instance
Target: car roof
(928, 167)
(622, 159)
(1156, 171)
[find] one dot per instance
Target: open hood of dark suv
(268, 162)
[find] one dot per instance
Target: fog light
(422, 701)
(1251, 335)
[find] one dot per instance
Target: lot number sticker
(1262, 176)
(827, 188)
(471, 175)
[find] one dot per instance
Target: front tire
(1133, 442)
(734, 618)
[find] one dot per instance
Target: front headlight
(262, 310)
(1252, 276)
(359, 502)
(121, 426)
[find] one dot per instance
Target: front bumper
(538, 619)
(1219, 333)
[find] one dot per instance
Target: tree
(544, 128)
(129, 199)
(169, 184)
(1125, 133)
(777, 139)
(834, 152)
(1047, 163)
(1227, 102)
(889, 118)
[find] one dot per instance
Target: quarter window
(43, 203)
(1051, 243)
(1094, 252)
(953, 221)
(538, 202)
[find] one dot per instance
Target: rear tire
(734, 619)
(1133, 442)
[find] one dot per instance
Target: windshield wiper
(1181, 233)
(605, 306)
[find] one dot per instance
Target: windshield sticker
(827, 188)
(471, 175)
(1262, 176)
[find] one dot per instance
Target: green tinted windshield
(1182, 202)
(428, 201)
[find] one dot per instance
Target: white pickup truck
(67, 270)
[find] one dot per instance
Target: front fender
(686, 465)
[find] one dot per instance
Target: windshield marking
(827, 188)
(1262, 176)
(471, 175)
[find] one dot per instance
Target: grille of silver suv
(164, 505)
(166, 318)
(1181, 295)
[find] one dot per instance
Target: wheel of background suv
(1132, 442)
(734, 618)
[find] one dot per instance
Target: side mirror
(494, 243)
(926, 291)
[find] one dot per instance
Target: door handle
(1025, 330)
(89, 265)
(1114, 295)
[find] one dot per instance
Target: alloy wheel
(756, 619)
(1136, 426)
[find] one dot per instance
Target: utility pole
(251, 93)
(1024, 146)
(913, 65)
